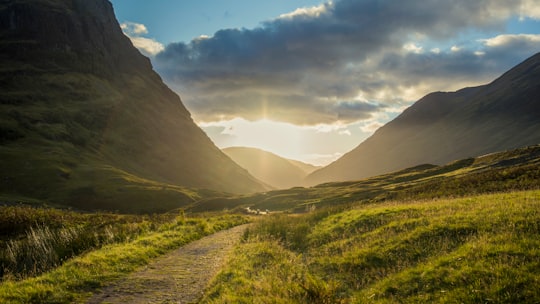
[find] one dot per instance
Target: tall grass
(478, 249)
(35, 240)
(50, 264)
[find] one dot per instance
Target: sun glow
(285, 139)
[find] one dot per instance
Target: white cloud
(371, 127)
(148, 46)
(530, 9)
(133, 28)
(413, 48)
(455, 49)
(314, 11)
(509, 39)
(203, 37)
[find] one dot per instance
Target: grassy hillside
(86, 122)
(426, 234)
(477, 249)
(503, 171)
(43, 176)
(58, 256)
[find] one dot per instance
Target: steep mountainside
(84, 119)
(270, 168)
(442, 127)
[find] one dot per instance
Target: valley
(396, 238)
(110, 190)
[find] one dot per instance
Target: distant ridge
(86, 122)
(512, 170)
(274, 170)
(442, 127)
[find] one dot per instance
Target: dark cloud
(301, 67)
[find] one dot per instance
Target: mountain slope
(442, 127)
(270, 168)
(511, 170)
(84, 118)
(307, 168)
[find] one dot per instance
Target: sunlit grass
(74, 279)
(477, 249)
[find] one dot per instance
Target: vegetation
(87, 123)
(505, 171)
(55, 256)
(86, 183)
(466, 232)
(476, 249)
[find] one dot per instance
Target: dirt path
(178, 277)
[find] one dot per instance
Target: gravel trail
(178, 277)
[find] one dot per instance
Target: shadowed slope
(82, 111)
(442, 127)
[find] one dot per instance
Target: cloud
(371, 127)
(147, 46)
(519, 40)
(132, 28)
(339, 62)
(411, 47)
(530, 9)
(455, 48)
(309, 12)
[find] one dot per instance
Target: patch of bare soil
(178, 277)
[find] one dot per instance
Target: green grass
(100, 248)
(35, 240)
(86, 183)
(477, 249)
(498, 172)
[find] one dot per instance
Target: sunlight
(318, 145)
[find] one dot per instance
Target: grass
(86, 183)
(99, 249)
(477, 249)
(35, 240)
(498, 172)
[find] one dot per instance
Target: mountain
(86, 122)
(270, 168)
(442, 127)
(512, 170)
(307, 168)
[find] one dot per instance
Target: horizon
(310, 80)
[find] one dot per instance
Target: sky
(310, 80)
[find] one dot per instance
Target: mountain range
(446, 126)
(274, 170)
(86, 122)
